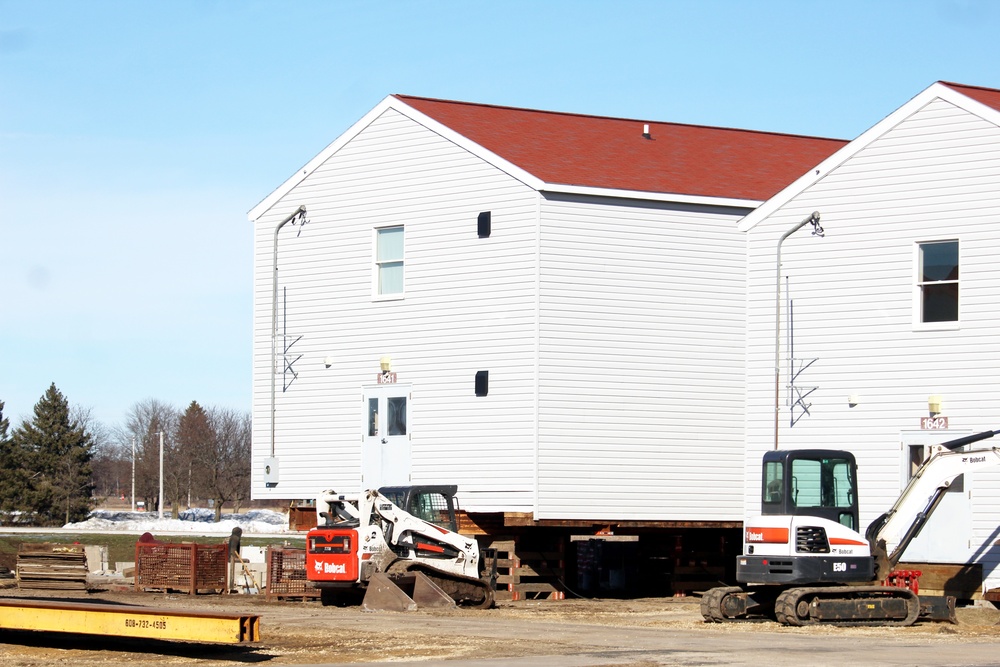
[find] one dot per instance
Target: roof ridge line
(403, 98)
(968, 85)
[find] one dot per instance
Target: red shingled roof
(600, 152)
(988, 96)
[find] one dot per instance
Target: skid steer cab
(395, 537)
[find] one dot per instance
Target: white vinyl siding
(469, 306)
(641, 361)
(612, 331)
(933, 175)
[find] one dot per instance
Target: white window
(937, 282)
(389, 261)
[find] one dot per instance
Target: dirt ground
(640, 633)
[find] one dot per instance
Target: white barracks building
(573, 318)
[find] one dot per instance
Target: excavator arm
(892, 532)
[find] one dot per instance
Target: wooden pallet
(964, 582)
(51, 567)
(527, 575)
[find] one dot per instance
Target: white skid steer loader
(400, 559)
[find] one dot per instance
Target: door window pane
(774, 485)
(396, 408)
(372, 416)
(822, 483)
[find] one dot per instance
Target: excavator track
(847, 606)
(711, 604)
(733, 604)
(465, 591)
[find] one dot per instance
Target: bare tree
(144, 422)
(226, 465)
(110, 464)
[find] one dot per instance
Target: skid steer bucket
(404, 593)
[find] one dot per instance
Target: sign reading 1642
(934, 423)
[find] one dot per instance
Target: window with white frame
(389, 261)
(937, 281)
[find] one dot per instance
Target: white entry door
(385, 452)
(946, 538)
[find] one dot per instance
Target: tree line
(56, 466)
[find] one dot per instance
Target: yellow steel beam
(128, 621)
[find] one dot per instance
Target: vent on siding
(485, 224)
(482, 383)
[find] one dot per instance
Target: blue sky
(135, 136)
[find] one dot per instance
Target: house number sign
(934, 423)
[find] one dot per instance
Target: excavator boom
(891, 533)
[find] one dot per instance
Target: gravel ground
(640, 633)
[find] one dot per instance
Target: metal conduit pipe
(817, 231)
(300, 212)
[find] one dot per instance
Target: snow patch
(195, 520)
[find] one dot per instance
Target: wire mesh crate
(185, 567)
(286, 574)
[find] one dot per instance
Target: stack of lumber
(52, 566)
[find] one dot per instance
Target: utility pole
(160, 505)
(133, 473)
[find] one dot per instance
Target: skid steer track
(465, 591)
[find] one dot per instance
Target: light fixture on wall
(853, 400)
(385, 363)
(328, 361)
(934, 405)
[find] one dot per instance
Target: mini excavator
(804, 560)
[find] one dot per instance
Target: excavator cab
(811, 482)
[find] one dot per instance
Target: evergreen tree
(194, 436)
(13, 476)
(56, 451)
